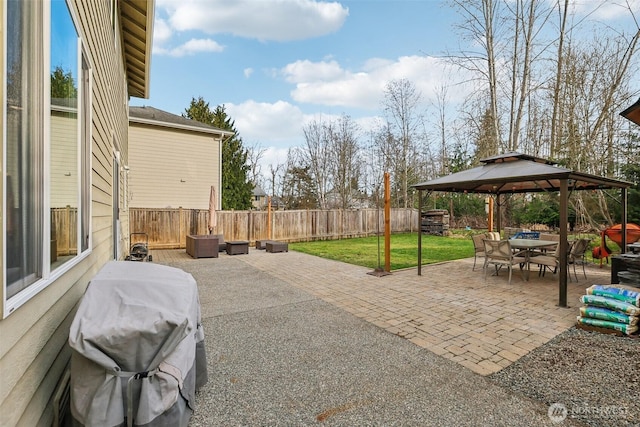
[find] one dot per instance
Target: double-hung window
(46, 148)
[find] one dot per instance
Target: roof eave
(136, 17)
(222, 133)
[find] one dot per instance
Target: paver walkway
(482, 324)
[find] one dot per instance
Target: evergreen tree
(199, 111)
(236, 187)
(62, 84)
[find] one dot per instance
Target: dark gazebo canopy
(633, 113)
(521, 173)
(517, 173)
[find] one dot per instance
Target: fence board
(168, 228)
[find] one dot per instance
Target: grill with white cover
(137, 347)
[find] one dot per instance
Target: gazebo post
(564, 244)
(499, 204)
(623, 229)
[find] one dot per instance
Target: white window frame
(84, 141)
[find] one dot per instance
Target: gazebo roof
(633, 113)
(517, 173)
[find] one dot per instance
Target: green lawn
(404, 250)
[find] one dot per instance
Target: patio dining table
(528, 246)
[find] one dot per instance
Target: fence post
(180, 234)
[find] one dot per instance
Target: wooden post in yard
(269, 218)
(490, 221)
(387, 223)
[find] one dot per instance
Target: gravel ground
(279, 357)
(309, 363)
(595, 376)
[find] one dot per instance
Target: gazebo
(513, 172)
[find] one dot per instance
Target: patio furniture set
(210, 245)
(272, 246)
(529, 248)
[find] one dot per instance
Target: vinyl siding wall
(64, 160)
(33, 349)
(172, 168)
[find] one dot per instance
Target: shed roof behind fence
(517, 173)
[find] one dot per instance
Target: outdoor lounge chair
(499, 254)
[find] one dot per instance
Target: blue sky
(277, 64)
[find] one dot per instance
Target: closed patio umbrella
(212, 210)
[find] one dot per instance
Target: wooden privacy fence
(168, 228)
(64, 231)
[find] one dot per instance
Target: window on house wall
(23, 147)
(64, 178)
(47, 142)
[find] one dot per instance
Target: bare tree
(529, 17)
(557, 110)
(317, 156)
(275, 179)
(345, 147)
(401, 100)
(254, 153)
(478, 25)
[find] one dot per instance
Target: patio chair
(550, 237)
(577, 256)
(548, 259)
(500, 254)
(478, 247)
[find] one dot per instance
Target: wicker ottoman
(237, 247)
(277, 246)
(262, 244)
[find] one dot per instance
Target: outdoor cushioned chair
(550, 237)
(499, 254)
(478, 247)
(576, 256)
(549, 259)
(576, 252)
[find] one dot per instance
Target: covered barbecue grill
(137, 347)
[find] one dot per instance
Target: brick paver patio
(482, 324)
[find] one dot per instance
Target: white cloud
(281, 20)
(248, 72)
(272, 156)
(161, 32)
(191, 47)
(607, 10)
(327, 83)
(304, 71)
(277, 124)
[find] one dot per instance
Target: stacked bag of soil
(615, 307)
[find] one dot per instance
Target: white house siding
(172, 168)
(64, 164)
(33, 347)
